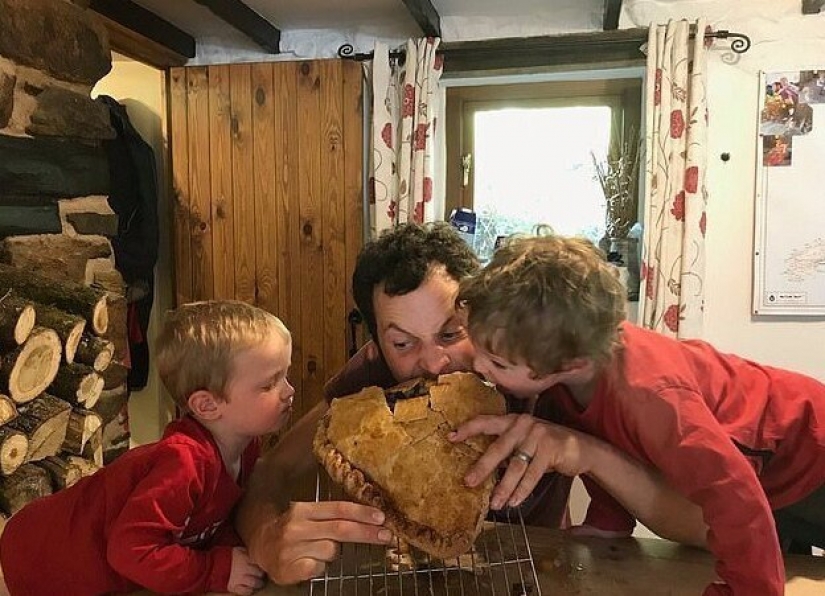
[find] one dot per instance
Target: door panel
(266, 162)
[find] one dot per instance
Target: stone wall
(54, 175)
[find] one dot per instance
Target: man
(405, 284)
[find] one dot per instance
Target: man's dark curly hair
(401, 258)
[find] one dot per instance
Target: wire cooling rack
(501, 562)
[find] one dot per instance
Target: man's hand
(298, 544)
(245, 577)
(547, 446)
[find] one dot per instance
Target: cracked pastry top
(390, 450)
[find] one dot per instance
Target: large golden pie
(390, 450)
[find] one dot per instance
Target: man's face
(420, 333)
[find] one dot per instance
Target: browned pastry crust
(402, 463)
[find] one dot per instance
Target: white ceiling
(390, 18)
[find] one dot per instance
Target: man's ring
(525, 457)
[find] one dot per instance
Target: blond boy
(158, 517)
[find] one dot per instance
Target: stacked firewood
(51, 359)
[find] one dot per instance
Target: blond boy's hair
(544, 301)
(197, 347)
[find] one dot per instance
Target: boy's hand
(245, 577)
(546, 447)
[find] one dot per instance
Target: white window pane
(534, 166)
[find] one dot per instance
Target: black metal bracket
(741, 43)
(347, 52)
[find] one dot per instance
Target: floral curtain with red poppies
(673, 264)
(404, 112)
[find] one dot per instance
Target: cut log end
(63, 473)
(13, 451)
(95, 351)
(100, 316)
(35, 366)
(24, 325)
(87, 467)
(44, 421)
(8, 411)
(104, 357)
(72, 341)
(91, 388)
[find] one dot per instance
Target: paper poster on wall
(789, 252)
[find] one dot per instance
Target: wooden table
(569, 566)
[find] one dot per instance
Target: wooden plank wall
(266, 162)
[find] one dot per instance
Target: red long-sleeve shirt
(153, 518)
(734, 437)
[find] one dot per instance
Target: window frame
(623, 95)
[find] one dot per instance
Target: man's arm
(291, 458)
(293, 542)
(643, 492)
(637, 487)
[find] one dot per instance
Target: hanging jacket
(133, 196)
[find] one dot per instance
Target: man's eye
(453, 336)
(400, 345)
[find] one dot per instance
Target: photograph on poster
(786, 109)
(789, 251)
(776, 150)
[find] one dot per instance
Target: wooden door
(266, 164)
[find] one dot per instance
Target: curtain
(673, 260)
(405, 97)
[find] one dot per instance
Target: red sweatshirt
(148, 519)
(735, 437)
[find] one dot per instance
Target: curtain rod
(740, 44)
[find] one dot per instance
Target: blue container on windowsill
(464, 220)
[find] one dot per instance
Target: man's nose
(435, 360)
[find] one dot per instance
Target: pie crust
(390, 450)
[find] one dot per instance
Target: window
(528, 148)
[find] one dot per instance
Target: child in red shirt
(158, 517)
(736, 438)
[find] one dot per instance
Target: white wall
(783, 39)
(142, 90)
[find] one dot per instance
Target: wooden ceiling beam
(247, 21)
(612, 10)
(135, 18)
(573, 49)
(426, 16)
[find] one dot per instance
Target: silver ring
(525, 457)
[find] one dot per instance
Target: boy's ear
(204, 404)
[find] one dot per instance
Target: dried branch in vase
(617, 176)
